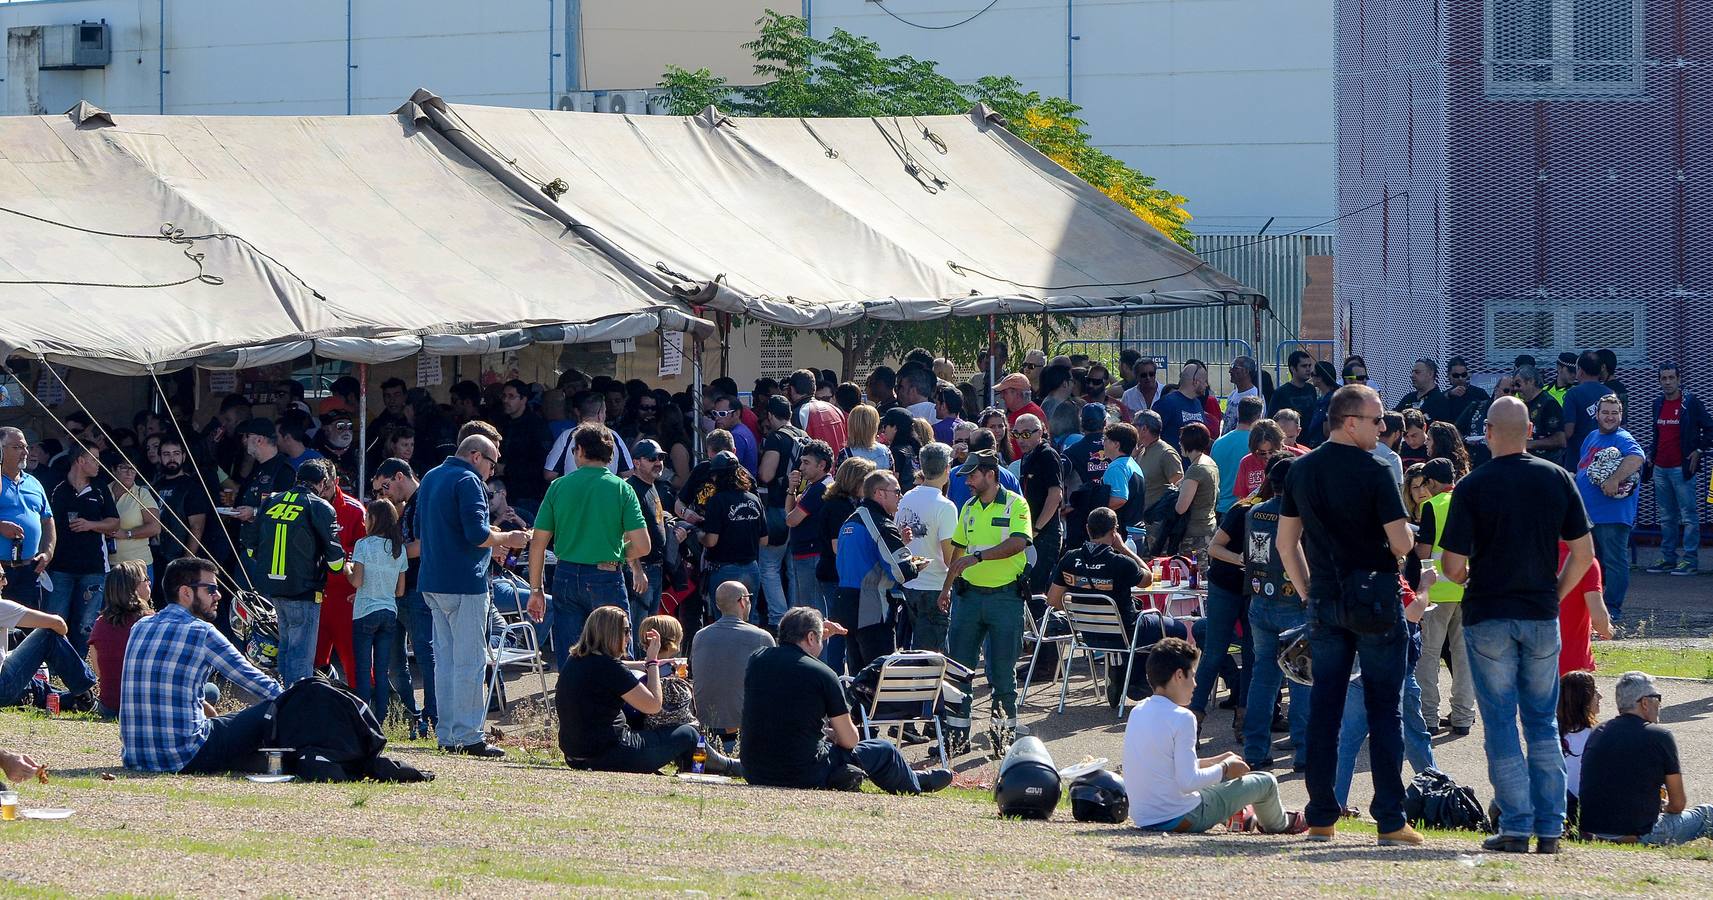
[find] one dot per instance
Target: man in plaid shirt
(162, 722)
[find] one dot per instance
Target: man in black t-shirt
(1545, 414)
(84, 517)
(1462, 394)
(791, 698)
(1106, 565)
(526, 439)
(1084, 465)
(1501, 542)
(1296, 393)
(780, 450)
(184, 506)
(1040, 471)
(1426, 396)
(648, 460)
(1629, 760)
(734, 527)
(1342, 514)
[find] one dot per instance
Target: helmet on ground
(1099, 796)
(1028, 782)
(1294, 658)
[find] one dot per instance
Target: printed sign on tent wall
(428, 371)
(50, 391)
(222, 382)
(671, 353)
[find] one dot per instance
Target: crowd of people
(704, 568)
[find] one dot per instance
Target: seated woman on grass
(594, 688)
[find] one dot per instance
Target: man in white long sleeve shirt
(1170, 788)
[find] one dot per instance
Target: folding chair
(1035, 633)
(914, 677)
(516, 648)
(1096, 626)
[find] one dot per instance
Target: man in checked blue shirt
(162, 722)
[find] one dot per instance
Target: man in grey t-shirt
(719, 656)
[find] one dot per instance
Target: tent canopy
(819, 222)
(365, 238)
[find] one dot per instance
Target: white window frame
(1563, 329)
(1564, 84)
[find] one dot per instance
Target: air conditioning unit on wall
(634, 103)
(86, 45)
(577, 101)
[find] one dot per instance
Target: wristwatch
(977, 555)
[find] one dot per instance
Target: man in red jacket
(334, 632)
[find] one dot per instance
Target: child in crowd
(376, 572)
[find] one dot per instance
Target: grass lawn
(1617, 658)
(526, 828)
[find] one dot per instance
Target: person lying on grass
(1172, 790)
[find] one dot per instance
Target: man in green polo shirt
(594, 523)
(984, 592)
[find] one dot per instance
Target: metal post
(990, 360)
(696, 399)
(362, 430)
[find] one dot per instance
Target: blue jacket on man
(452, 523)
(1695, 429)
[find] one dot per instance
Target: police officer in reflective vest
(297, 545)
(984, 593)
(1444, 623)
(1274, 607)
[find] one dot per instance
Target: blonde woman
(139, 515)
(862, 429)
(594, 688)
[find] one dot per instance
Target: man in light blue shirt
(1232, 446)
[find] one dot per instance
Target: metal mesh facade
(1526, 176)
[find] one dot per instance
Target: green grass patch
(1614, 659)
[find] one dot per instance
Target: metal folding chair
(516, 648)
(1096, 626)
(914, 677)
(1035, 634)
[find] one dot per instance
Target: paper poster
(50, 391)
(428, 373)
(671, 353)
(628, 345)
(222, 382)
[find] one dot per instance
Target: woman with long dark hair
(125, 600)
(376, 572)
(1444, 442)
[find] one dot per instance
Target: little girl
(376, 571)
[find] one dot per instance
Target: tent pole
(991, 319)
(696, 399)
(362, 430)
(1255, 328)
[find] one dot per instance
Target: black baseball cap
(394, 466)
(647, 449)
(259, 425)
(981, 459)
(1439, 469)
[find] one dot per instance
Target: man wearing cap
(1084, 464)
(1500, 542)
(1013, 393)
(271, 474)
(654, 498)
(594, 523)
(984, 595)
(1630, 762)
(297, 545)
(1566, 377)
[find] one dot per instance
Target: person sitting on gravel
(719, 658)
(594, 687)
(1629, 761)
(791, 698)
(1170, 788)
(162, 721)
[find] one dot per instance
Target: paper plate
(704, 778)
(47, 813)
(270, 779)
(1071, 773)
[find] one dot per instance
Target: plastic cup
(8, 806)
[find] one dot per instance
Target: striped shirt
(167, 662)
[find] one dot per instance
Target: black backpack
(333, 735)
(1433, 800)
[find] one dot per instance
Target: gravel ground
(498, 829)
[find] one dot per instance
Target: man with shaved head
(1501, 542)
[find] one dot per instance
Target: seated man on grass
(46, 643)
(1629, 762)
(791, 698)
(163, 721)
(1170, 788)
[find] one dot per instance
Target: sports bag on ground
(1433, 800)
(333, 735)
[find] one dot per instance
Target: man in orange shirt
(334, 631)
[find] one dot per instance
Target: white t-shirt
(381, 571)
(1160, 771)
(1390, 457)
(1577, 742)
(1135, 402)
(932, 519)
(10, 613)
(1231, 406)
(924, 410)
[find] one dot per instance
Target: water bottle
(699, 759)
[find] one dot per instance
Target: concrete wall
(1228, 102)
(249, 58)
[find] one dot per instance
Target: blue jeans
(461, 658)
(1679, 523)
(1267, 618)
(372, 640)
(1515, 667)
(43, 645)
(646, 603)
(1224, 610)
(771, 559)
(1384, 663)
(643, 752)
(299, 621)
(1680, 828)
(833, 651)
(1418, 743)
(418, 623)
(1612, 548)
(805, 587)
(577, 590)
(232, 740)
(77, 600)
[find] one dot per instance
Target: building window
(1546, 329)
(1544, 49)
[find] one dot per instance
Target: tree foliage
(846, 75)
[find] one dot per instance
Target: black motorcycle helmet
(1028, 782)
(1099, 796)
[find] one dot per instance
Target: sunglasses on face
(1031, 366)
(724, 413)
(1094, 383)
(1024, 432)
(1460, 375)
(207, 586)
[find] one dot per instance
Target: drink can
(53, 703)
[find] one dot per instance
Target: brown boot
(1403, 837)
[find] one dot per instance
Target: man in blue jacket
(1681, 431)
(453, 526)
(873, 558)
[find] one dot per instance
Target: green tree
(846, 75)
